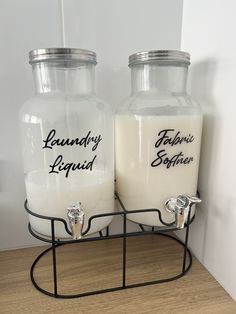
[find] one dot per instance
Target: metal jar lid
(159, 55)
(65, 54)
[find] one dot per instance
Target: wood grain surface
(90, 266)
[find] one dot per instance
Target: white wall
(117, 28)
(24, 25)
(113, 28)
(209, 34)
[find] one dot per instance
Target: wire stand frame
(55, 243)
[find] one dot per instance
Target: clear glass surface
(157, 140)
(67, 140)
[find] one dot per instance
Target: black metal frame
(154, 230)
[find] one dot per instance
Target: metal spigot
(76, 219)
(181, 206)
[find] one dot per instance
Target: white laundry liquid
(50, 195)
(157, 157)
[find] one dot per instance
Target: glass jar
(67, 138)
(157, 135)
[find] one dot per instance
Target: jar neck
(152, 77)
(64, 77)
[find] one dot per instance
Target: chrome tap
(181, 206)
(76, 219)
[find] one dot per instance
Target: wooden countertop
(97, 265)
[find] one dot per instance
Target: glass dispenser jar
(67, 138)
(157, 135)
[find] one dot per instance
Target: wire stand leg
(186, 242)
(54, 262)
(124, 252)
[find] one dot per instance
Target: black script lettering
(158, 160)
(51, 141)
(59, 166)
(179, 140)
(165, 138)
(50, 136)
(178, 159)
(56, 163)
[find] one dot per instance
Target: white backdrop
(117, 28)
(208, 33)
(112, 28)
(24, 25)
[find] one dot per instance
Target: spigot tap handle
(75, 215)
(181, 206)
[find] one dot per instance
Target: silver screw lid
(65, 54)
(159, 55)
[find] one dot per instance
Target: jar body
(158, 137)
(68, 158)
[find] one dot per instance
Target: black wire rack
(55, 243)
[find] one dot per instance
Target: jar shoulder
(155, 103)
